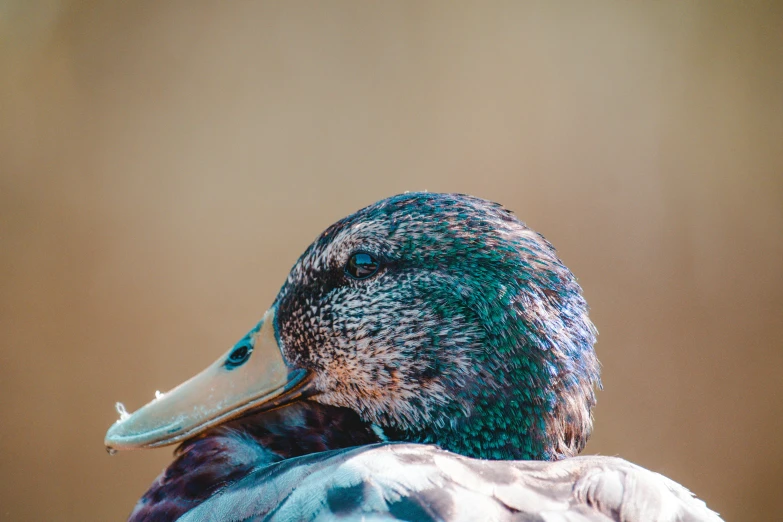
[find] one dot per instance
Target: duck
(428, 357)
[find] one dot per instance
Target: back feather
(424, 483)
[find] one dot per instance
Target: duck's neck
(227, 454)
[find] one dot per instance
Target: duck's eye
(238, 356)
(362, 265)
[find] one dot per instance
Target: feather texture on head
(472, 335)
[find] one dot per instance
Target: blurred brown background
(162, 166)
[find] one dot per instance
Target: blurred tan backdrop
(162, 165)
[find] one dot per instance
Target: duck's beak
(219, 393)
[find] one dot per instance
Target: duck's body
(426, 318)
(279, 467)
(422, 483)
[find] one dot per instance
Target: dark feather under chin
(222, 456)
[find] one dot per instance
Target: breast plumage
(428, 358)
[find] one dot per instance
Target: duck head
(436, 318)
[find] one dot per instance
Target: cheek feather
(389, 358)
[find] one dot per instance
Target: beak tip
(113, 439)
(133, 432)
(207, 399)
